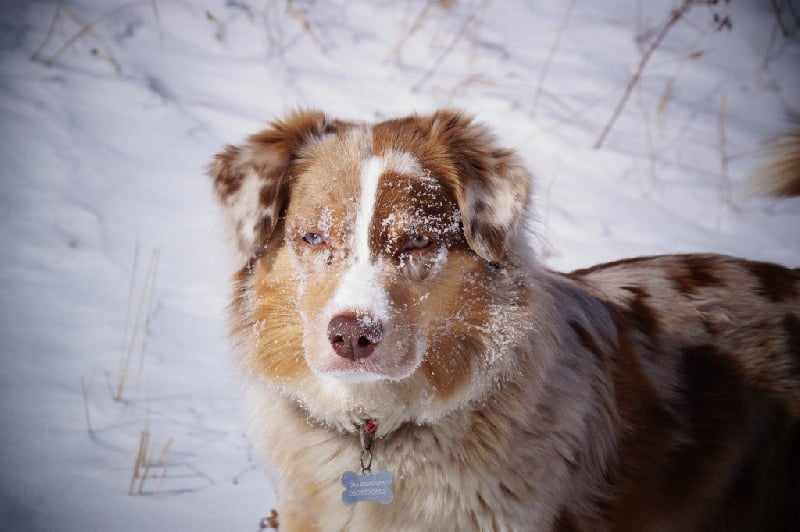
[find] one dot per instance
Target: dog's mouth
(358, 370)
(376, 367)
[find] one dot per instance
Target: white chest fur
(444, 477)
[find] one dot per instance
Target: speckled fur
(649, 394)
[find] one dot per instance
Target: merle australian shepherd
(413, 367)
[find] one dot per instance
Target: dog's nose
(354, 336)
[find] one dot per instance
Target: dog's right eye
(315, 239)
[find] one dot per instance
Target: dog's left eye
(417, 242)
(315, 239)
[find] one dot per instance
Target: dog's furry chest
(452, 476)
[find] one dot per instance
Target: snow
(104, 150)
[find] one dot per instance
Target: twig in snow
(695, 53)
(131, 285)
(472, 79)
(86, 28)
(270, 522)
(85, 394)
(674, 17)
(141, 458)
(553, 48)
(415, 27)
(770, 44)
(724, 183)
(273, 28)
(147, 464)
(236, 478)
(100, 48)
(299, 15)
(50, 31)
(779, 15)
(450, 47)
(162, 460)
(128, 341)
(144, 462)
(155, 258)
(575, 113)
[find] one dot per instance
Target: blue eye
(315, 239)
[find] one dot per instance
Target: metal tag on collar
(367, 486)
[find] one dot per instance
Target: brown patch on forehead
(776, 283)
(409, 205)
(464, 157)
(412, 135)
(443, 145)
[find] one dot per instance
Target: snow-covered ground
(120, 409)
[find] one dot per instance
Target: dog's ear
(491, 184)
(253, 180)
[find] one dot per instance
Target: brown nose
(354, 336)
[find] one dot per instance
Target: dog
(413, 367)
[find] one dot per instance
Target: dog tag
(367, 487)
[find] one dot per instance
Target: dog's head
(375, 259)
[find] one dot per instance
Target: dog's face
(375, 259)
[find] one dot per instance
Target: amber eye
(315, 239)
(418, 242)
